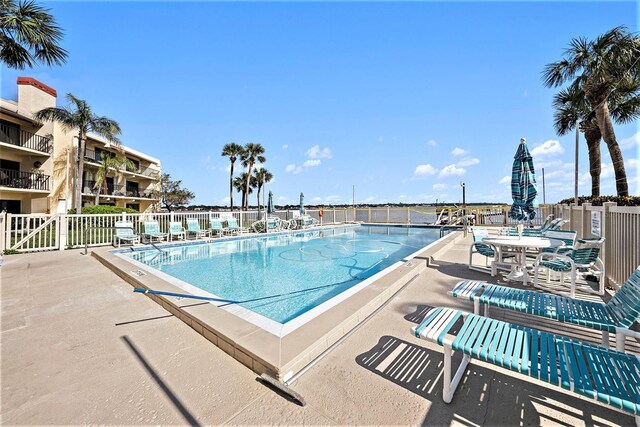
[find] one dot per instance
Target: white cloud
(312, 163)
(506, 180)
(431, 142)
(439, 187)
(316, 152)
(632, 141)
(285, 146)
(548, 148)
(317, 200)
(369, 199)
(469, 161)
(228, 168)
(293, 169)
(451, 170)
(426, 169)
(459, 152)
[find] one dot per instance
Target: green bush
(102, 209)
(598, 201)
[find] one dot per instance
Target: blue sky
(402, 100)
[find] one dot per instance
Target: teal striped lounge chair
(233, 227)
(581, 260)
(215, 227)
(176, 230)
(125, 233)
(193, 228)
(604, 375)
(616, 316)
(152, 231)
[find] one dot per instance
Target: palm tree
(252, 153)
(233, 151)
(599, 67)
(80, 118)
(572, 107)
(106, 164)
(240, 184)
(262, 176)
(28, 35)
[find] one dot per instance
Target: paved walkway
(79, 347)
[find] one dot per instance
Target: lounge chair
(215, 227)
(616, 316)
(193, 227)
(125, 233)
(233, 227)
(176, 230)
(605, 375)
(152, 231)
(581, 260)
(272, 223)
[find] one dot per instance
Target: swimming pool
(284, 278)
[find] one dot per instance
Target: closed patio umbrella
(270, 207)
(523, 185)
(302, 203)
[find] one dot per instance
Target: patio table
(520, 245)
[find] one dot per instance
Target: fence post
(369, 216)
(586, 221)
(171, 216)
(3, 230)
(605, 224)
(388, 214)
(63, 221)
(408, 215)
(334, 214)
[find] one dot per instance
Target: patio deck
(79, 347)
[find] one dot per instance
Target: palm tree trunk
(258, 198)
(593, 136)
(597, 96)
(246, 190)
(80, 170)
(231, 187)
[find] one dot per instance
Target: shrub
(598, 201)
(102, 209)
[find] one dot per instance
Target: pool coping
(260, 350)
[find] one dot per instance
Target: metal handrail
(86, 230)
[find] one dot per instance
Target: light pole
(464, 200)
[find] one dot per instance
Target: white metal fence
(619, 225)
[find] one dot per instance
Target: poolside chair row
(611, 377)
(125, 231)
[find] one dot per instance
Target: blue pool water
(286, 275)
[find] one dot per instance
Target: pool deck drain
(260, 350)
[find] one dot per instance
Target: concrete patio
(79, 347)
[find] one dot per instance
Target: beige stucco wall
(32, 99)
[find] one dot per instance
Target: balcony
(117, 191)
(94, 156)
(24, 180)
(21, 138)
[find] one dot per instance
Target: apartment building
(37, 161)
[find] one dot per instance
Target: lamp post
(464, 200)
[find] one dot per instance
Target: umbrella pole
(575, 197)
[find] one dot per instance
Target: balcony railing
(27, 180)
(21, 138)
(116, 190)
(95, 157)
